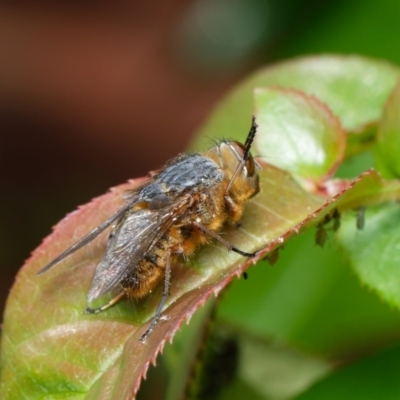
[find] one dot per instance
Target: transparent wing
(133, 237)
(130, 200)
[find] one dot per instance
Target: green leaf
(388, 139)
(376, 377)
(341, 82)
(311, 300)
(374, 251)
(278, 371)
(299, 132)
(355, 88)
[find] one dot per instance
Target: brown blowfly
(178, 208)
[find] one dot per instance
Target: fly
(177, 209)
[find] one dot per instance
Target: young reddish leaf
(298, 133)
(60, 349)
(87, 347)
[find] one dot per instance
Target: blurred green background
(92, 95)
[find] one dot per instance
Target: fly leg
(228, 245)
(113, 301)
(164, 297)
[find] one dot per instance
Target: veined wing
(133, 238)
(130, 202)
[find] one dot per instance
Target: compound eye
(240, 150)
(250, 166)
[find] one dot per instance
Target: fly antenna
(247, 146)
(250, 139)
